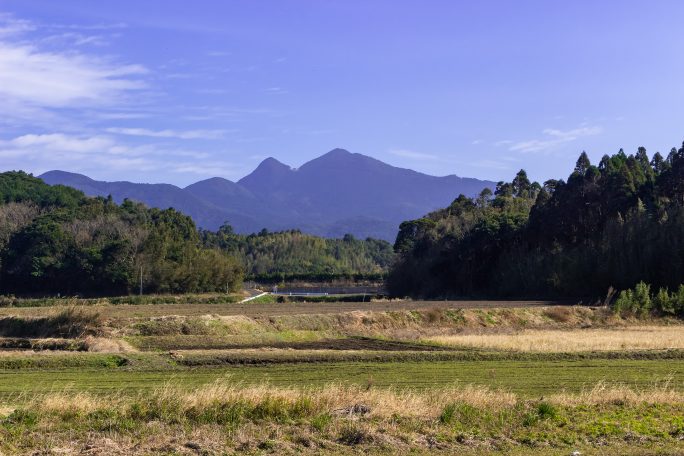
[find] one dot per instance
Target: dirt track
(275, 309)
(302, 308)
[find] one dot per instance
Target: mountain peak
(337, 152)
(268, 173)
(341, 159)
(272, 163)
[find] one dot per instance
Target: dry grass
(336, 398)
(104, 345)
(229, 418)
(577, 340)
(605, 394)
(383, 403)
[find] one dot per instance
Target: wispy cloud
(109, 26)
(178, 134)
(276, 91)
(552, 138)
(82, 153)
(11, 26)
(77, 39)
(62, 142)
(218, 53)
(36, 81)
(406, 153)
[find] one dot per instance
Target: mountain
(337, 193)
(162, 196)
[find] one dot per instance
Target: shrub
(546, 410)
(448, 414)
(624, 302)
(352, 435)
(22, 417)
(321, 422)
(642, 298)
(640, 301)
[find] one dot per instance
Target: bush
(352, 435)
(22, 417)
(546, 410)
(640, 301)
(448, 414)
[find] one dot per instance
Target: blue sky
(178, 91)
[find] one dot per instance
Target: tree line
(293, 255)
(614, 224)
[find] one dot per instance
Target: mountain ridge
(339, 190)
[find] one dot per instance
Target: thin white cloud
(11, 26)
(86, 153)
(218, 53)
(62, 142)
(553, 138)
(113, 26)
(57, 80)
(405, 153)
(276, 91)
(41, 76)
(178, 134)
(77, 39)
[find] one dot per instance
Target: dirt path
(276, 309)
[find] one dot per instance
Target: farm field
(529, 379)
(258, 308)
(408, 377)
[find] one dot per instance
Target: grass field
(375, 378)
(526, 378)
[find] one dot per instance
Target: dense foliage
(642, 301)
(292, 254)
(614, 224)
(57, 240)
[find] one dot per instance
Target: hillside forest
(56, 240)
(293, 255)
(610, 225)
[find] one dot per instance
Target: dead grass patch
(105, 345)
(577, 340)
(606, 394)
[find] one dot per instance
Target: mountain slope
(341, 185)
(161, 196)
(337, 193)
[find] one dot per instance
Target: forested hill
(294, 255)
(610, 225)
(57, 240)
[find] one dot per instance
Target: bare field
(277, 309)
(576, 340)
